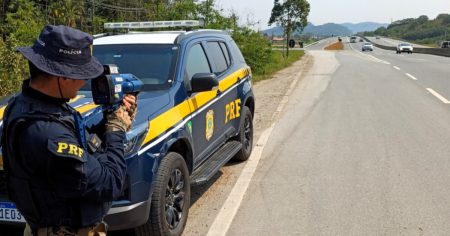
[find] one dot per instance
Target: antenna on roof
(155, 24)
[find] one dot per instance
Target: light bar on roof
(153, 24)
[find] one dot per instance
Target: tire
(245, 135)
(170, 199)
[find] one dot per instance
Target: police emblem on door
(209, 124)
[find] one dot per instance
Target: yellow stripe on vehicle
(86, 108)
(167, 120)
(76, 98)
(81, 109)
(170, 118)
(2, 109)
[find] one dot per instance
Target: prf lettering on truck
(232, 110)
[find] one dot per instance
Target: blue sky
(342, 11)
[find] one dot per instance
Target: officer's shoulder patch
(66, 148)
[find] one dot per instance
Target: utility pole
(92, 20)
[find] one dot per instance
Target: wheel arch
(250, 103)
(182, 147)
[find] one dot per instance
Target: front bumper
(127, 217)
(405, 50)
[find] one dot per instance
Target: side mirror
(201, 82)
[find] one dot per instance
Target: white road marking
(371, 56)
(379, 60)
(225, 217)
(440, 97)
(396, 67)
(410, 76)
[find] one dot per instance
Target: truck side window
(217, 57)
(225, 51)
(197, 61)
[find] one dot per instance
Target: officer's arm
(77, 173)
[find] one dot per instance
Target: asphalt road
(391, 42)
(360, 149)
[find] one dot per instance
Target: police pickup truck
(195, 113)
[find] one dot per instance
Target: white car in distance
(404, 47)
(367, 47)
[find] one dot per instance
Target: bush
(12, 68)
(255, 48)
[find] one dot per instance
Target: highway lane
(428, 71)
(360, 149)
(391, 42)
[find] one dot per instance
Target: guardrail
(445, 52)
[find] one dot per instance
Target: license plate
(9, 212)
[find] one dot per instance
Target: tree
(24, 24)
(291, 15)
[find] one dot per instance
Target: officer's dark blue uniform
(50, 177)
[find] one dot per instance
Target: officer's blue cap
(64, 51)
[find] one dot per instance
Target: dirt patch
(335, 46)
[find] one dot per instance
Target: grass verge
(278, 62)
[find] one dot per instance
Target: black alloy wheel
(175, 199)
(170, 198)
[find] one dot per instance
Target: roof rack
(154, 24)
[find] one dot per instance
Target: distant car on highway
(444, 44)
(353, 39)
(378, 37)
(404, 47)
(367, 47)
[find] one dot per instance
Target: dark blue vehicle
(194, 114)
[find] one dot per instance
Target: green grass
(277, 63)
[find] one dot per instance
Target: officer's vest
(29, 192)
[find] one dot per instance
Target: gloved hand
(119, 120)
(129, 101)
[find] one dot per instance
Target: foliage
(23, 26)
(421, 30)
(12, 67)
(255, 48)
(22, 20)
(291, 16)
(277, 62)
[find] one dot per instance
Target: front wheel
(245, 135)
(170, 199)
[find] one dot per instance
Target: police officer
(60, 187)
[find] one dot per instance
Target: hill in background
(329, 29)
(363, 26)
(420, 30)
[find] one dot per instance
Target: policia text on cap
(60, 187)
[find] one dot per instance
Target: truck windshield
(152, 63)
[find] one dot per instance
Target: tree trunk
(288, 37)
